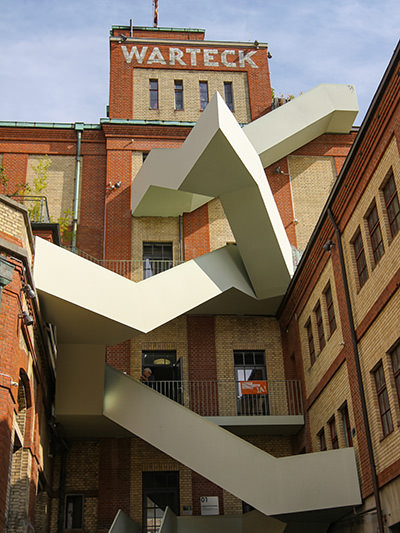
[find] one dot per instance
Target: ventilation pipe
(79, 126)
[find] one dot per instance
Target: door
(251, 382)
(160, 490)
(167, 372)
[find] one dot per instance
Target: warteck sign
(189, 57)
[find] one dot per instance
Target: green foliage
(40, 183)
(3, 180)
(41, 171)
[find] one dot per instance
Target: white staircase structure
(92, 307)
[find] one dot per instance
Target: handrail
(224, 397)
(38, 210)
(134, 269)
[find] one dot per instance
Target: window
(159, 490)
(153, 94)
(361, 263)
(375, 234)
(344, 412)
(74, 511)
(322, 440)
(203, 95)
(395, 355)
(330, 309)
(333, 432)
(383, 400)
(392, 204)
(250, 366)
(228, 91)
(157, 257)
(178, 94)
(310, 340)
(320, 326)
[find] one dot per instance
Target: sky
(54, 54)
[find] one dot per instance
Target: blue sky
(54, 59)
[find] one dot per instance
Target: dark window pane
(178, 94)
(153, 94)
(228, 90)
(361, 263)
(392, 205)
(383, 400)
(375, 234)
(203, 94)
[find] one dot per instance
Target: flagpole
(155, 13)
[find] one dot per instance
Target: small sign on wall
(253, 387)
(209, 505)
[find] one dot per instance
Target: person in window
(147, 377)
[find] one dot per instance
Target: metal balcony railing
(134, 269)
(38, 210)
(223, 398)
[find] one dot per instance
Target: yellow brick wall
(153, 229)
(137, 162)
(334, 343)
(60, 183)
(171, 336)
(334, 395)
(146, 458)
(11, 221)
(220, 231)
(311, 179)
(363, 298)
(373, 348)
(191, 93)
(245, 333)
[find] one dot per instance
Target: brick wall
(196, 233)
(311, 179)
(191, 93)
(220, 231)
(122, 72)
(114, 477)
(363, 299)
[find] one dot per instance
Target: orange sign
(253, 387)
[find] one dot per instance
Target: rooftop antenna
(130, 28)
(155, 24)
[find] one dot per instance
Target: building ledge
(260, 425)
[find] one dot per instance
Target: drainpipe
(181, 241)
(78, 128)
(359, 375)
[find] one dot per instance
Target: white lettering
(156, 57)
(247, 57)
(209, 56)
(175, 54)
(134, 52)
(224, 59)
(176, 57)
(193, 58)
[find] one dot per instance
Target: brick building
(264, 262)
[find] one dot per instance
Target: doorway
(160, 490)
(250, 368)
(167, 372)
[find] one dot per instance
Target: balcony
(133, 269)
(37, 207)
(225, 402)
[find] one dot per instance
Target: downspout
(181, 240)
(359, 375)
(78, 128)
